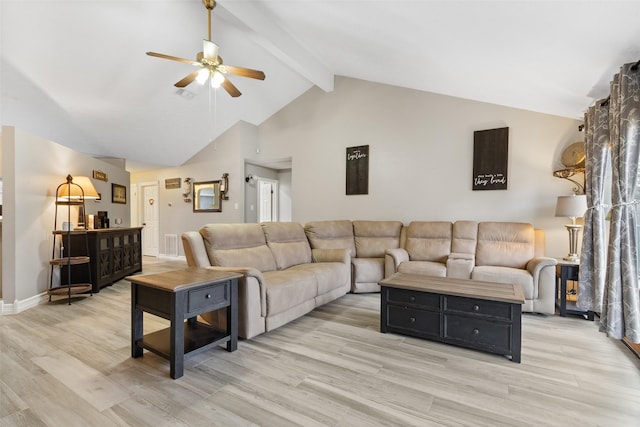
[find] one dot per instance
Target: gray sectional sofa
(290, 269)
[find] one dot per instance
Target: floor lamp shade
(572, 207)
(83, 187)
(75, 191)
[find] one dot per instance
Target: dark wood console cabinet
(115, 253)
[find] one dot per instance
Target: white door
(267, 200)
(150, 219)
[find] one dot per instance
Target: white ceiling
(75, 71)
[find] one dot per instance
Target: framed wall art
(172, 183)
(118, 194)
(357, 170)
(490, 159)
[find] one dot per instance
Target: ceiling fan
(210, 65)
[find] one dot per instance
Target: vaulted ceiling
(75, 71)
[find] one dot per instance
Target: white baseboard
(172, 258)
(22, 305)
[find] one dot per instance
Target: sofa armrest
(543, 271)
(194, 249)
(250, 272)
(392, 259)
(535, 265)
(331, 255)
(460, 265)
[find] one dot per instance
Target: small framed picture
(172, 183)
(118, 194)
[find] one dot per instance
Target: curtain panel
(593, 266)
(620, 315)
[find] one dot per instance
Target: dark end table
(568, 270)
(178, 296)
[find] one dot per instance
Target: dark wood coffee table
(469, 313)
(178, 296)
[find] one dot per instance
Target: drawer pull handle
(208, 296)
(412, 298)
(476, 307)
(476, 331)
(412, 320)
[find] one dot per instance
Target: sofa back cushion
(373, 238)
(331, 235)
(428, 240)
(237, 245)
(505, 244)
(465, 237)
(288, 243)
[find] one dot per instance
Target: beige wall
(421, 151)
(225, 155)
(32, 169)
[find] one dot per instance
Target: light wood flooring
(68, 366)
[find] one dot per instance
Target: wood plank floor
(67, 366)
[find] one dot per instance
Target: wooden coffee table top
(173, 281)
(459, 287)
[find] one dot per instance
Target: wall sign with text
(358, 170)
(490, 159)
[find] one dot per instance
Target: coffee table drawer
(478, 306)
(407, 296)
(410, 319)
(209, 298)
(478, 333)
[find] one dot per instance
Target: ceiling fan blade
(188, 79)
(244, 72)
(230, 88)
(210, 50)
(173, 58)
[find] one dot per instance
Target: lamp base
(573, 230)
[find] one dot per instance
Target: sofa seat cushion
(331, 235)
(368, 270)
(329, 275)
(514, 276)
(373, 238)
(289, 288)
(427, 268)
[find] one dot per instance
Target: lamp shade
(571, 206)
(83, 184)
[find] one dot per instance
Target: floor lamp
(572, 207)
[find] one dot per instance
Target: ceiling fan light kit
(210, 64)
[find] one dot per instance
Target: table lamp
(572, 207)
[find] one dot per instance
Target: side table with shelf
(178, 296)
(568, 270)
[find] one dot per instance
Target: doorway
(267, 191)
(267, 200)
(148, 207)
